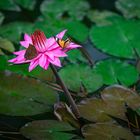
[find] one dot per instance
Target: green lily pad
(101, 18)
(129, 8)
(24, 96)
(29, 4)
(113, 71)
(121, 95)
(75, 75)
(47, 129)
(7, 45)
(106, 131)
(97, 110)
(13, 30)
(9, 5)
(120, 38)
(55, 26)
(1, 18)
(75, 9)
(76, 55)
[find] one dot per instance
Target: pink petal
(61, 34)
(43, 60)
(12, 60)
(59, 53)
(27, 38)
(54, 46)
(24, 44)
(50, 42)
(22, 52)
(50, 55)
(33, 64)
(56, 62)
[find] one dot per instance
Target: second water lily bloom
(41, 51)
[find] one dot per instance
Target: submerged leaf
(24, 96)
(47, 130)
(106, 131)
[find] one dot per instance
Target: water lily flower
(41, 51)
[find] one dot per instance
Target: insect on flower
(63, 43)
(40, 50)
(30, 53)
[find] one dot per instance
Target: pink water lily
(47, 50)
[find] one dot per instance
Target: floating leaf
(29, 4)
(74, 76)
(119, 39)
(9, 5)
(106, 131)
(47, 129)
(6, 45)
(113, 71)
(121, 95)
(129, 8)
(101, 18)
(1, 18)
(97, 110)
(24, 96)
(61, 7)
(55, 26)
(75, 55)
(13, 30)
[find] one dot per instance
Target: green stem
(67, 93)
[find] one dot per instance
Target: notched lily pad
(126, 31)
(74, 76)
(97, 110)
(24, 96)
(47, 130)
(114, 72)
(106, 131)
(121, 95)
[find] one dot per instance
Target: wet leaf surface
(126, 31)
(106, 131)
(47, 129)
(24, 96)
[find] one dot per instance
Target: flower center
(39, 40)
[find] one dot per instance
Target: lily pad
(47, 129)
(75, 9)
(101, 18)
(74, 75)
(127, 32)
(75, 55)
(13, 30)
(96, 110)
(9, 5)
(113, 72)
(7, 45)
(129, 8)
(121, 95)
(1, 18)
(29, 4)
(24, 96)
(106, 131)
(55, 26)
